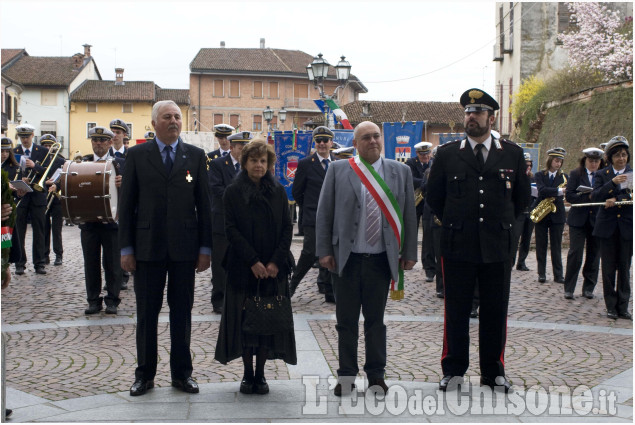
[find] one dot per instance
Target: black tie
(479, 155)
(591, 175)
(27, 152)
(326, 164)
(119, 155)
(237, 167)
(168, 158)
(551, 177)
(225, 153)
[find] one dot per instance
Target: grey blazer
(338, 214)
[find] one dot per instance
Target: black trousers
(149, 285)
(460, 279)
(364, 285)
(37, 224)
(219, 275)
(578, 238)
(428, 249)
(554, 232)
(306, 260)
(53, 225)
(436, 240)
(522, 238)
(96, 241)
(617, 255)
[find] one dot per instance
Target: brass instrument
(50, 197)
(598, 204)
(39, 186)
(418, 196)
(546, 206)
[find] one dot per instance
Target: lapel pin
(188, 177)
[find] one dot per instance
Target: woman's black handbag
(267, 315)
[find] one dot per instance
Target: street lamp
(268, 114)
(18, 117)
(282, 115)
(318, 70)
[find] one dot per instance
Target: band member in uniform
(307, 185)
(614, 226)
(165, 230)
(126, 141)
(9, 163)
(524, 226)
(343, 153)
(99, 240)
(550, 183)
(222, 171)
(477, 188)
(53, 219)
(418, 165)
(149, 136)
(33, 204)
(358, 243)
(222, 132)
(120, 131)
(581, 221)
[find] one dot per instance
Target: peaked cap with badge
(557, 152)
(119, 124)
(47, 140)
(474, 100)
(322, 131)
(593, 153)
(100, 133)
(7, 143)
(240, 137)
(223, 130)
(149, 135)
(423, 147)
(25, 130)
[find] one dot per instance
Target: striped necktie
(373, 219)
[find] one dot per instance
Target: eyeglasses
(322, 140)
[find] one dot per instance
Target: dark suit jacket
(214, 154)
(478, 208)
(610, 218)
(307, 185)
(38, 153)
(418, 178)
(578, 217)
(165, 217)
(547, 190)
(221, 174)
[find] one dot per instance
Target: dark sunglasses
(322, 140)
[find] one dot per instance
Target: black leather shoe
(429, 278)
(47, 261)
(450, 383)
(559, 279)
(338, 391)
(93, 309)
(260, 385)
(500, 384)
(124, 286)
(474, 313)
(40, 270)
(58, 260)
(188, 385)
(111, 309)
(316, 264)
(522, 268)
(568, 296)
(217, 310)
(321, 288)
(298, 234)
(626, 315)
(377, 383)
(589, 295)
(439, 294)
(140, 387)
(542, 279)
(19, 270)
(247, 385)
(611, 314)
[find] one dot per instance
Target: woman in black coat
(614, 227)
(259, 231)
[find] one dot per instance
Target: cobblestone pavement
(56, 354)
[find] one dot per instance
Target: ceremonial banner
(449, 137)
(343, 137)
(291, 147)
(400, 139)
(534, 150)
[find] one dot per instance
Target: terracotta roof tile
(9, 54)
(107, 91)
(180, 96)
(43, 71)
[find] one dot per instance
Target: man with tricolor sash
(366, 236)
(477, 187)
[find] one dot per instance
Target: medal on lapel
(188, 177)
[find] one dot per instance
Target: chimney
(119, 77)
(78, 60)
(262, 43)
(87, 50)
(222, 44)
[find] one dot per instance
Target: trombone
(39, 186)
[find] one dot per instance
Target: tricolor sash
(387, 203)
(7, 232)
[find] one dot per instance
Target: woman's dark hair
(255, 149)
(616, 149)
(550, 160)
(583, 163)
(11, 158)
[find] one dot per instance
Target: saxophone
(546, 206)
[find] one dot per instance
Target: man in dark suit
(120, 130)
(307, 185)
(165, 229)
(221, 132)
(99, 240)
(549, 229)
(477, 188)
(366, 235)
(33, 204)
(581, 221)
(222, 171)
(418, 165)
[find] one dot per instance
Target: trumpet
(39, 186)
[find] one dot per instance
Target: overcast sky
(401, 50)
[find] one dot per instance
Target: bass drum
(89, 193)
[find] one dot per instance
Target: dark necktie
(120, 155)
(27, 153)
(168, 158)
(479, 155)
(591, 175)
(326, 164)
(237, 167)
(224, 153)
(551, 177)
